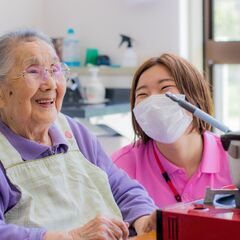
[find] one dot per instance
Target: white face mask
(161, 118)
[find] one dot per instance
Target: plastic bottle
(71, 49)
(93, 90)
(129, 58)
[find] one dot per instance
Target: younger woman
(176, 156)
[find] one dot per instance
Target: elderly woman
(55, 180)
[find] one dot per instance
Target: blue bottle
(71, 49)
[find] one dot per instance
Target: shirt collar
(30, 150)
(211, 156)
(169, 167)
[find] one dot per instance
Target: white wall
(20, 13)
(154, 24)
(195, 33)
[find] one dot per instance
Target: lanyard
(166, 177)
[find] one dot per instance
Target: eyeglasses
(58, 71)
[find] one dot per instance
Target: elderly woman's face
(32, 101)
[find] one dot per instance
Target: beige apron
(58, 192)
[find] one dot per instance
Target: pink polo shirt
(139, 162)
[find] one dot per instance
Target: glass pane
(226, 20)
(226, 87)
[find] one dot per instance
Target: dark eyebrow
(159, 82)
(139, 88)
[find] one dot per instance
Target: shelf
(103, 70)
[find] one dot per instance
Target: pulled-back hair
(10, 40)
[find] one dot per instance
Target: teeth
(44, 101)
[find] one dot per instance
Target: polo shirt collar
(210, 157)
(210, 162)
(169, 167)
(29, 149)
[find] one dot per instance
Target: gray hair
(9, 40)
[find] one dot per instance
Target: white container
(71, 49)
(129, 58)
(93, 91)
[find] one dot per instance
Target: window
(222, 58)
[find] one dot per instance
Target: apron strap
(63, 126)
(8, 155)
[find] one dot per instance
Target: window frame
(216, 52)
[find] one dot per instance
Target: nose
(46, 73)
(154, 92)
(48, 80)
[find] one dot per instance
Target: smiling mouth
(45, 102)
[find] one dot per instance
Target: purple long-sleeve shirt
(131, 198)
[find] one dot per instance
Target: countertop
(82, 110)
